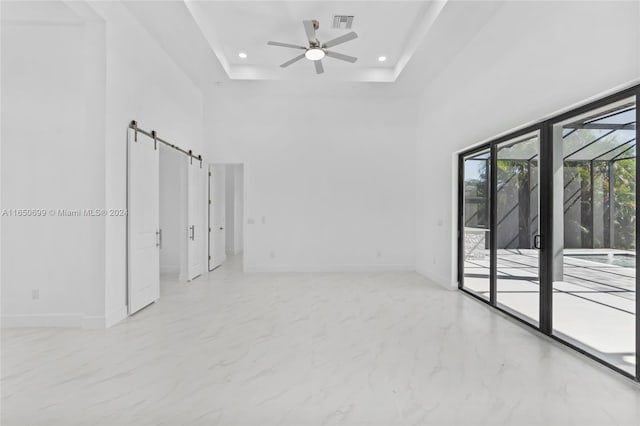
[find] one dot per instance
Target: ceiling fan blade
(341, 39)
(319, 67)
(341, 56)
(291, 61)
(277, 43)
(311, 31)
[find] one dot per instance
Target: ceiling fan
(316, 50)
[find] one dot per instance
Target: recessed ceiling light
(382, 58)
(242, 55)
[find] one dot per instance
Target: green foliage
(624, 192)
(624, 189)
(512, 175)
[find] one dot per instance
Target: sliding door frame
(546, 208)
(470, 152)
(493, 199)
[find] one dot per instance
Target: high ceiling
(419, 38)
(393, 29)
(38, 11)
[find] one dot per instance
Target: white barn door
(217, 232)
(196, 231)
(143, 223)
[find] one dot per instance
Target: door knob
(221, 228)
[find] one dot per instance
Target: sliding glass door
(475, 216)
(517, 230)
(594, 281)
(548, 229)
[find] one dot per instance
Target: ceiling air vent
(342, 22)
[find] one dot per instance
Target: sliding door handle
(158, 237)
(537, 242)
(192, 232)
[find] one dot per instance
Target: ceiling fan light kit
(316, 50)
(314, 54)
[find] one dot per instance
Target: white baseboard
(115, 316)
(64, 320)
(440, 281)
(42, 320)
(328, 268)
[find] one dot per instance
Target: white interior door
(217, 232)
(143, 223)
(196, 223)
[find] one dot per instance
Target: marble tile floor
(307, 349)
(594, 307)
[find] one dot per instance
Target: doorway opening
(173, 214)
(183, 223)
(226, 212)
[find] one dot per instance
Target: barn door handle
(537, 242)
(159, 238)
(193, 232)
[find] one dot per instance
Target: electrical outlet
(35, 294)
(272, 254)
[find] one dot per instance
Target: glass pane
(593, 147)
(476, 223)
(618, 116)
(594, 288)
(577, 140)
(622, 151)
(518, 284)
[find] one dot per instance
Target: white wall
(143, 84)
(329, 173)
(52, 158)
(530, 60)
(71, 83)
